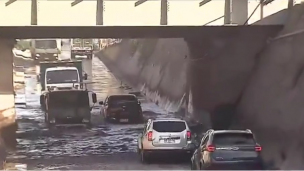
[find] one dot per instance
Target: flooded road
(104, 146)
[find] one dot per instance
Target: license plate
(124, 120)
(167, 140)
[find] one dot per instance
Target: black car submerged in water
(122, 108)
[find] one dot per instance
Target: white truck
(62, 78)
(61, 75)
(45, 49)
(82, 48)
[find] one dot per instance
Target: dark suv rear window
(233, 139)
(169, 126)
(115, 99)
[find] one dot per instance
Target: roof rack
(248, 130)
(209, 130)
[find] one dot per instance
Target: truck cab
(62, 78)
(45, 49)
(60, 75)
(82, 48)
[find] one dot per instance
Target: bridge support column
(8, 124)
(239, 11)
(99, 12)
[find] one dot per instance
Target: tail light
(188, 135)
(258, 148)
(150, 136)
(210, 148)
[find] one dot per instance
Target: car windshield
(122, 99)
(45, 44)
(77, 42)
(169, 126)
(88, 43)
(69, 99)
(62, 76)
(223, 139)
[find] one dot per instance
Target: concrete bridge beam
(7, 100)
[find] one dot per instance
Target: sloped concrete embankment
(272, 102)
(241, 79)
(156, 66)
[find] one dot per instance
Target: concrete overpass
(87, 13)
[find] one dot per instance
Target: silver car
(164, 136)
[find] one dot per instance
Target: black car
(227, 150)
(122, 108)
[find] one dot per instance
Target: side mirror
(139, 102)
(94, 98)
(61, 43)
(38, 78)
(85, 77)
(101, 102)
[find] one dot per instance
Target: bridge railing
(180, 12)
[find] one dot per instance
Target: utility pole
(99, 12)
(34, 11)
(227, 15)
(290, 4)
(164, 12)
(262, 9)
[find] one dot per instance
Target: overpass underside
(130, 32)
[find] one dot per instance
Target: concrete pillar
(99, 12)
(164, 12)
(227, 12)
(7, 100)
(239, 11)
(34, 13)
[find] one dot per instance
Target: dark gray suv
(227, 150)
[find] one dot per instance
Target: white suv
(164, 136)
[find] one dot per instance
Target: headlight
(37, 55)
(55, 54)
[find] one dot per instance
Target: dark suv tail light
(258, 148)
(150, 136)
(210, 148)
(188, 135)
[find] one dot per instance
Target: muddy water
(36, 142)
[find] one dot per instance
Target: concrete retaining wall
(153, 65)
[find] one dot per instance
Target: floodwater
(41, 148)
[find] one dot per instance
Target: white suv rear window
(169, 126)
